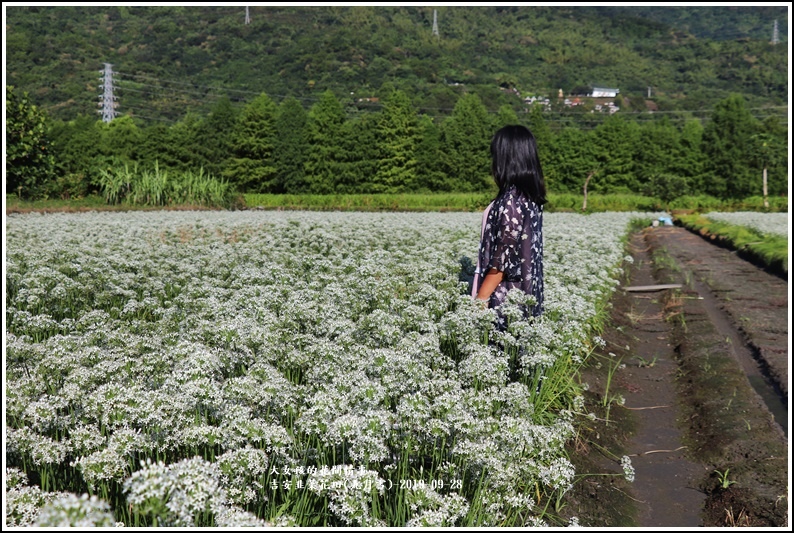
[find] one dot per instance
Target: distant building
(604, 92)
(544, 101)
(609, 106)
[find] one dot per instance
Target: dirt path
(658, 448)
(705, 377)
(755, 301)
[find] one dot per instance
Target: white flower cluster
(771, 223)
(431, 509)
(183, 493)
(279, 338)
(242, 472)
(349, 491)
(71, 510)
(628, 468)
(23, 502)
(29, 506)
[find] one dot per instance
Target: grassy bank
(15, 204)
(440, 202)
(769, 250)
(88, 203)
(369, 202)
(703, 204)
(557, 202)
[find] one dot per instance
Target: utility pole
(649, 91)
(435, 23)
(108, 103)
(247, 16)
(775, 38)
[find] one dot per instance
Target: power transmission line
(215, 92)
(361, 104)
(173, 90)
(220, 89)
(136, 115)
(191, 85)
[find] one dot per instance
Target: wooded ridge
(174, 59)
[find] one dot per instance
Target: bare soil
(705, 416)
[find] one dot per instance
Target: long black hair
(515, 161)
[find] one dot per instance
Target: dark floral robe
(512, 242)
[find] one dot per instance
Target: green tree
(465, 141)
(213, 137)
(775, 155)
(121, 140)
(359, 149)
(571, 159)
(728, 150)
(76, 142)
(77, 146)
(170, 147)
(30, 164)
(657, 150)
(540, 130)
(429, 170)
(251, 168)
(615, 149)
(378, 70)
(666, 186)
(155, 140)
(506, 116)
(767, 153)
(690, 161)
(397, 137)
(185, 149)
(324, 160)
(291, 146)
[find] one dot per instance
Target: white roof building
(604, 92)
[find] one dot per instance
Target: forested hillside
(174, 59)
(371, 99)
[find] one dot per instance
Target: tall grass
(158, 187)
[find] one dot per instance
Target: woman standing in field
(511, 245)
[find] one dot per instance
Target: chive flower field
(291, 368)
(767, 223)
